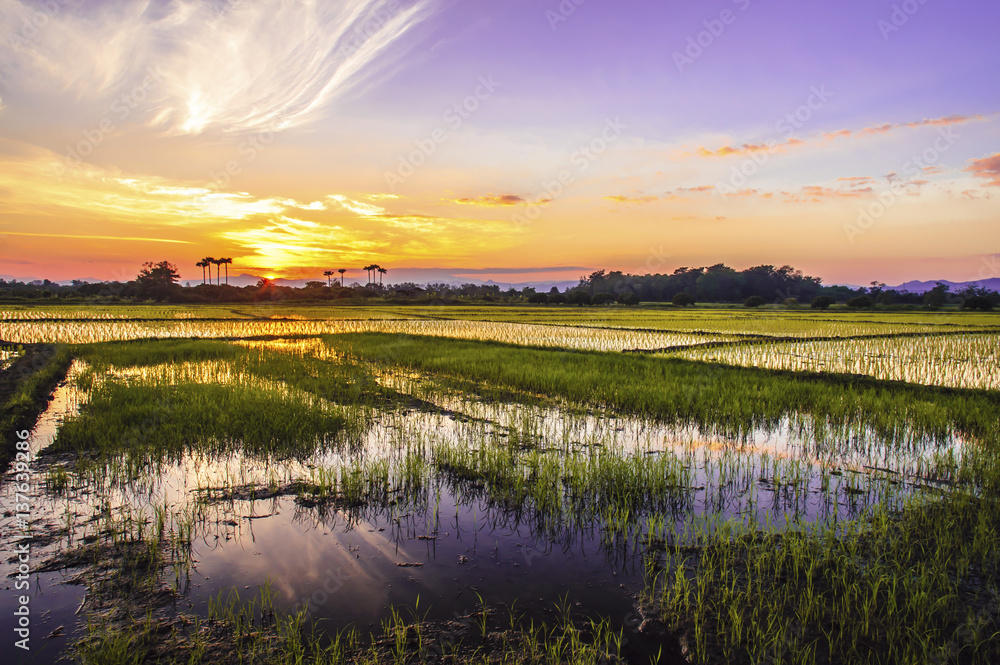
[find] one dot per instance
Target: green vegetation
(734, 401)
(24, 386)
(782, 483)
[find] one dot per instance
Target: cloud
(888, 127)
(494, 200)
(357, 207)
(749, 148)
(987, 167)
(780, 146)
(235, 66)
(630, 199)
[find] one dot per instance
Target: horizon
(523, 142)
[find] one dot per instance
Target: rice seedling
(773, 515)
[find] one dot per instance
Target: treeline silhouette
(753, 287)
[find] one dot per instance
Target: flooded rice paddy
(410, 505)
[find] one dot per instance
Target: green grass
(24, 388)
(911, 578)
(731, 400)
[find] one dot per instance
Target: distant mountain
(916, 286)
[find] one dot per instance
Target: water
(341, 563)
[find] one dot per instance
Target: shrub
(861, 302)
(822, 302)
(977, 302)
(628, 298)
(580, 298)
(683, 299)
(754, 301)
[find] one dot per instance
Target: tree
(937, 296)
(603, 298)
(202, 264)
(314, 284)
(381, 271)
(328, 274)
(209, 262)
(683, 299)
(538, 298)
(754, 301)
(580, 298)
(861, 302)
(342, 271)
(226, 262)
(556, 298)
(980, 302)
(822, 302)
(163, 273)
(628, 298)
(157, 280)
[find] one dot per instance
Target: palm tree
(342, 271)
(218, 274)
(327, 274)
(201, 264)
(209, 261)
(381, 271)
(368, 269)
(226, 263)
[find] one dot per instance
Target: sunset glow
(516, 141)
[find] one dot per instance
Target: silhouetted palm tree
(327, 274)
(201, 264)
(226, 263)
(381, 271)
(369, 269)
(342, 271)
(209, 261)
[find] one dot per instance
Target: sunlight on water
(956, 361)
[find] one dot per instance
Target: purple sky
(183, 168)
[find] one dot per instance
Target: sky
(515, 141)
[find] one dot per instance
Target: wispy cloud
(987, 167)
(250, 66)
(92, 237)
(774, 146)
(630, 199)
(926, 122)
(492, 200)
(749, 148)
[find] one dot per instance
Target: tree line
(753, 287)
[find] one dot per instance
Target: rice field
(955, 361)
(455, 485)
